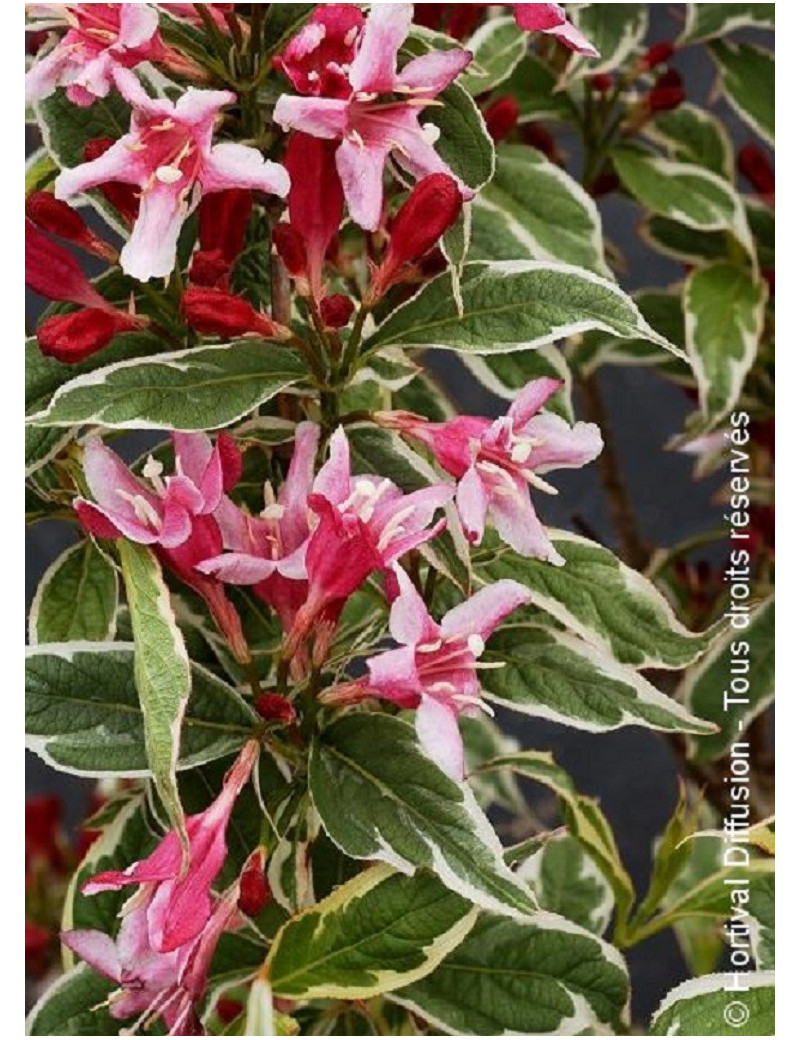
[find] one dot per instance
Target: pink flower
(176, 898)
(552, 19)
(349, 111)
(494, 462)
(101, 38)
(435, 669)
(168, 154)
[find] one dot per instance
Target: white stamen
(476, 644)
(488, 666)
(429, 648)
(443, 687)
(152, 471)
(313, 76)
(144, 511)
(536, 481)
(431, 132)
(273, 512)
(521, 452)
(168, 174)
(359, 140)
(396, 526)
(350, 36)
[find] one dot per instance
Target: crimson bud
(214, 312)
(501, 117)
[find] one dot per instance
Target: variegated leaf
(76, 599)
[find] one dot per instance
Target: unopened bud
(336, 311)
(501, 117)
(668, 93)
(209, 269)
(537, 137)
(604, 184)
(603, 82)
(658, 54)
(290, 247)
(73, 337)
(214, 312)
(274, 707)
(754, 164)
(54, 273)
(254, 891)
(55, 216)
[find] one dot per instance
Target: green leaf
(671, 855)
(582, 815)
(497, 48)
(506, 374)
(605, 602)
(762, 921)
(40, 171)
(709, 1007)
(373, 450)
(537, 977)
(484, 741)
(709, 21)
(200, 389)
(553, 675)
(379, 797)
(568, 882)
(534, 210)
(75, 1005)
(724, 308)
(76, 599)
(533, 86)
(684, 244)
(616, 30)
(161, 670)
(83, 716)
(259, 1017)
(375, 933)
(512, 305)
(747, 77)
(281, 22)
(464, 142)
(733, 683)
(693, 135)
(688, 194)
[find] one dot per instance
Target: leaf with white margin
(708, 21)
(497, 47)
(463, 142)
(604, 601)
(762, 921)
(710, 1007)
(484, 741)
(681, 191)
(692, 134)
(706, 687)
(161, 671)
(616, 30)
(681, 243)
(83, 715)
(75, 1005)
(543, 976)
(259, 1015)
(567, 881)
(378, 932)
(534, 210)
(534, 87)
(76, 599)
(381, 798)
(506, 374)
(513, 305)
(199, 389)
(747, 78)
(556, 676)
(724, 310)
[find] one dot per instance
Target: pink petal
(333, 480)
(431, 73)
(232, 165)
(97, 949)
(519, 526)
(177, 523)
(137, 24)
(297, 486)
(199, 108)
(374, 67)
(163, 863)
(539, 17)
(575, 40)
(409, 620)
(531, 399)
(417, 155)
(482, 613)
(45, 74)
(198, 459)
(393, 674)
(144, 107)
(360, 168)
(238, 568)
(114, 165)
(106, 476)
(95, 521)
(320, 117)
(563, 446)
(439, 736)
(472, 502)
(150, 251)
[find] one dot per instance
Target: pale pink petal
(137, 24)
(239, 530)
(562, 446)
(393, 674)
(144, 107)
(333, 480)
(400, 546)
(117, 164)
(197, 459)
(415, 153)
(439, 736)
(238, 568)
(374, 67)
(481, 614)
(93, 80)
(232, 165)
(297, 486)
(113, 485)
(472, 502)
(97, 949)
(430, 74)
(539, 17)
(176, 525)
(531, 399)
(45, 74)
(409, 620)
(293, 565)
(199, 108)
(575, 40)
(360, 168)
(519, 526)
(320, 117)
(150, 251)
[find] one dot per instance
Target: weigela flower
(552, 19)
(435, 669)
(495, 462)
(101, 39)
(354, 113)
(168, 154)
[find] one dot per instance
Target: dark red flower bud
(603, 82)
(34, 41)
(658, 54)
(336, 311)
(231, 459)
(274, 707)
(537, 137)
(464, 21)
(768, 274)
(429, 15)
(55, 216)
(39, 947)
(754, 164)
(209, 269)
(73, 337)
(123, 197)
(214, 312)
(222, 222)
(668, 92)
(42, 829)
(604, 184)
(501, 117)
(290, 247)
(54, 273)
(254, 890)
(228, 1010)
